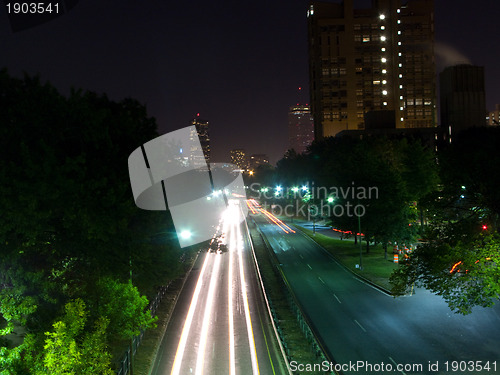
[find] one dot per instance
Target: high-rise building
(362, 61)
(463, 99)
(257, 160)
(239, 158)
(494, 116)
(204, 137)
(300, 128)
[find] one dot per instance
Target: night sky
(237, 63)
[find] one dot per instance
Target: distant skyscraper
(494, 116)
(463, 103)
(239, 158)
(300, 128)
(203, 135)
(258, 159)
(362, 61)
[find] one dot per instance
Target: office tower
(239, 158)
(494, 116)
(203, 135)
(257, 160)
(371, 64)
(463, 103)
(300, 128)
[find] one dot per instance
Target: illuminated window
(366, 38)
(376, 82)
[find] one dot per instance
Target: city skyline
(183, 59)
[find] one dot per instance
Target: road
(360, 323)
(220, 323)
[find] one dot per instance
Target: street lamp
(360, 246)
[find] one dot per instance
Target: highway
(358, 322)
(220, 324)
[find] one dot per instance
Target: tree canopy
(73, 244)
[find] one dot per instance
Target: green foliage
(465, 274)
(68, 221)
(67, 351)
(125, 308)
(468, 199)
(402, 172)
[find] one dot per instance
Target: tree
(464, 273)
(68, 217)
(67, 351)
(460, 258)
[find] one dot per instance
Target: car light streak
(277, 221)
(251, 340)
(250, 206)
(206, 318)
(189, 319)
(232, 359)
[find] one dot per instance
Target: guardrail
(125, 364)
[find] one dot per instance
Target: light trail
(255, 207)
(277, 221)
(232, 359)
(200, 360)
(250, 206)
(251, 340)
(189, 319)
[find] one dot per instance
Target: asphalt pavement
(408, 335)
(220, 323)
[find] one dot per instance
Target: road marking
(337, 298)
(393, 361)
(309, 266)
(320, 279)
(251, 339)
(176, 368)
(360, 326)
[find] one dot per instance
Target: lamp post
(360, 246)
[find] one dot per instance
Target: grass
(376, 268)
